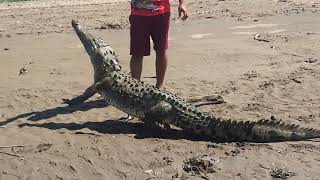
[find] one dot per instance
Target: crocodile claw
(69, 102)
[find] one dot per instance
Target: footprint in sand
(252, 26)
(199, 36)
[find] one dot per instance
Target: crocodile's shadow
(49, 113)
(108, 126)
(120, 127)
(85, 106)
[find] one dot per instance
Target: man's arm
(182, 9)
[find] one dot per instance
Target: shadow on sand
(49, 113)
(106, 127)
(120, 127)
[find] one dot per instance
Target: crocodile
(153, 105)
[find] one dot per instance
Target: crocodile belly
(133, 107)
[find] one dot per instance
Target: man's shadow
(49, 113)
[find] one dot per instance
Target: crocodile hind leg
(157, 115)
(89, 92)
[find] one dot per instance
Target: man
(150, 18)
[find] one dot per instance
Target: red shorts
(144, 27)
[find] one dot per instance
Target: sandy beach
(261, 57)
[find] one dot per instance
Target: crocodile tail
(259, 131)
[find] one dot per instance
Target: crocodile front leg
(158, 114)
(89, 92)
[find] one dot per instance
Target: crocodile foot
(128, 118)
(156, 125)
(70, 102)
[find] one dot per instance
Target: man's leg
(161, 67)
(159, 34)
(136, 64)
(139, 43)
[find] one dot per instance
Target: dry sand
(214, 52)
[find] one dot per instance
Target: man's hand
(182, 9)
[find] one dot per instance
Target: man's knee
(136, 58)
(161, 52)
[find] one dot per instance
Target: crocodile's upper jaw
(89, 42)
(103, 57)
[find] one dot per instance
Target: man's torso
(149, 7)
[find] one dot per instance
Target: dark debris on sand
(278, 173)
(200, 166)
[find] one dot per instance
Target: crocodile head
(103, 57)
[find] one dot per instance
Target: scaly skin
(151, 104)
